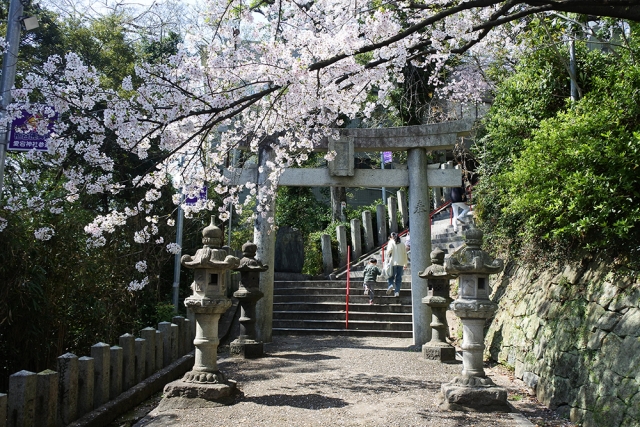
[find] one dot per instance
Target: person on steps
(371, 273)
(396, 254)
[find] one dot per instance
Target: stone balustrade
(82, 384)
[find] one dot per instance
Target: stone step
(382, 305)
(334, 290)
(337, 324)
(343, 332)
(335, 284)
(340, 315)
(311, 284)
(404, 298)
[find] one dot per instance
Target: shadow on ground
(306, 401)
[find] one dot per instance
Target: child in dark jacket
(371, 273)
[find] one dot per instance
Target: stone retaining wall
(572, 333)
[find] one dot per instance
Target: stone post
(404, 209)
(68, 391)
(392, 208)
(86, 386)
(182, 343)
(368, 231)
(127, 342)
(141, 360)
(248, 294)
(46, 398)
(265, 239)
(445, 191)
(149, 335)
(189, 335)
(173, 330)
(115, 376)
(438, 279)
(473, 389)
(165, 328)
(381, 221)
(420, 242)
(341, 235)
(327, 256)
(101, 369)
(205, 383)
(159, 350)
(22, 399)
(3, 410)
(356, 239)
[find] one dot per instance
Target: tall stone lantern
(208, 302)
(438, 299)
(248, 294)
(472, 265)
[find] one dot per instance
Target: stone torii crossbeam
(416, 140)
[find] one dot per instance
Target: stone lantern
(208, 303)
(438, 299)
(248, 294)
(473, 389)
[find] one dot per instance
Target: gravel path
(329, 381)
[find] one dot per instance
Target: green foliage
(313, 249)
(103, 44)
(564, 175)
(164, 312)
(242, 229)
(313, 254)
(297, 207)
(158, 50)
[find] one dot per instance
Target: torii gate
(416, 140)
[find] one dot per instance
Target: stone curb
(135, 395)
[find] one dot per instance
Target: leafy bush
(565, 175)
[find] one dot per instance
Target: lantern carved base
(474, 394)
(190, 392)
(249, 349)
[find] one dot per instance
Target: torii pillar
(265, 239)
(419, 209)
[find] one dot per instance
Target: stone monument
(438, 299)
(205, 385)
(248, 294)
(473, 389)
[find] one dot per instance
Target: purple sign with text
(24, 135)
(387, 156)
(191, 201)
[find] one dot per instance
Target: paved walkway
(336, 381)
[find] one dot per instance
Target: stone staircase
(319, 306)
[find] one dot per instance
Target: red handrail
(439, 209)
(348, 286)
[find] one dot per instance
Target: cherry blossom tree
(277, 74)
